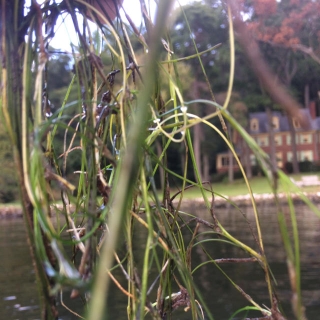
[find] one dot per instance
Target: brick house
(307, 138)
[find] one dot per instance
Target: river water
(19, 298)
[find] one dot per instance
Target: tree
(288, 26)
(285, 62)
(239, 111)
(208, 27)
(292, 24)
(58, 76)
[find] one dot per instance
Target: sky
(64, 32)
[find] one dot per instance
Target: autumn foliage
(289, 23)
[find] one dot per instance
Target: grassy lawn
(259, 185)
(15, 204)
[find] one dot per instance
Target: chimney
(312, 109)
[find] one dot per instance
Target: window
(299, 155)
(296, 123)
(225, 161)
(275, 123)
(279, 159)
(305, 138)
(253, 160)
(306, 156)
(263, 141)
(288, 138)
(278, 140)
(254, 124)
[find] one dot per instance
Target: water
(18, 294)
(19, 299)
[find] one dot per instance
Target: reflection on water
(18, 294)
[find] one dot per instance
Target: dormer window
(254, 124)
(296, 123)
(275, 123)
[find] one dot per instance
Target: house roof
(263, 123)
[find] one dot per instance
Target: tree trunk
(231, 157)
(295, 164)
(245, 156)
(290, 70)
(206, 167)
(230, 168)
(271, 140)
(197, 136)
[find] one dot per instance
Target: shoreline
(15, 211)
(245, 200)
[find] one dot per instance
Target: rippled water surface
(19, 297)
